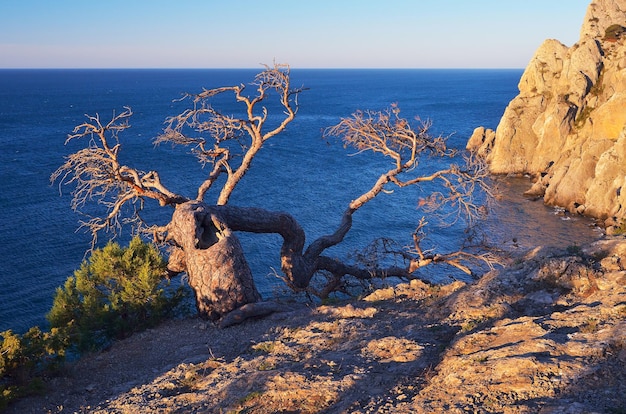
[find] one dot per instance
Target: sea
(298, 171)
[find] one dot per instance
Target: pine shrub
(25, 358)
(114, 293)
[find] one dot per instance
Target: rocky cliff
(567, 126)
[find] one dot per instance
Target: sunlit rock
(566, 127)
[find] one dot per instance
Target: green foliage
(116, 292)
(472, 324)
(251, 396)
(24, 358)
(614, 31)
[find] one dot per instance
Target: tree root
(251, 310)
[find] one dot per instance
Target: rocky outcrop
(544, 335)
(567, 125)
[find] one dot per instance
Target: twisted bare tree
(202, 236)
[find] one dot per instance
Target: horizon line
(256, 68)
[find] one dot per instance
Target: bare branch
(389, 134)
(96, 174)
(201, 234)
(392, 136)
(461, 190)
(214, 135)
(460, 259)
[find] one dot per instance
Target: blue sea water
(298, 172)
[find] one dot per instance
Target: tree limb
(216, 133)
(95, 173)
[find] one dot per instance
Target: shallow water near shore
(521, 223)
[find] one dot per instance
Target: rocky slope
(567, 125)
(545, 335)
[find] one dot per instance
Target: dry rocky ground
(544, 335)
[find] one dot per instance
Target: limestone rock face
(567, 126)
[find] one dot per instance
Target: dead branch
(252, 310)
(211, 134)
(96, 174)
(228, 143)
(389, 134)
(392, 136)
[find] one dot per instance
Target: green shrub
(614, 32)
(116, 292)
(25, 358)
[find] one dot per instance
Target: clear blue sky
(303, 33)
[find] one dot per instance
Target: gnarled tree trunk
(204, 245)
(209, 252)
(212, 256)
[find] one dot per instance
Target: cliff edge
(543, 335)
(567, 126)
